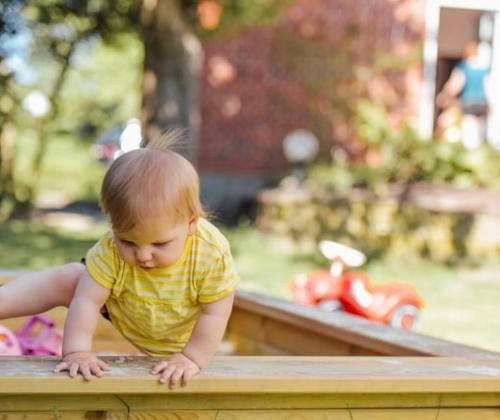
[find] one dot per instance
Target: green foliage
(401, 156)
(102, 86)
(69, 168)
(240, 14)
(62, 35)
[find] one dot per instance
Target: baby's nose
(143, 255)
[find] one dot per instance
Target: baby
(163, 275)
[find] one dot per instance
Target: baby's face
(158, 245)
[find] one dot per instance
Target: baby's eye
(160, 244)
(127, 243)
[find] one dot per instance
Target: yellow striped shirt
(156, 309)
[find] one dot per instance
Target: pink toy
(9, 346)
(47, 342)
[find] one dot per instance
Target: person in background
(467, 84)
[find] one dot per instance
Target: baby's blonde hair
(151, 182)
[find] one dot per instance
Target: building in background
(308, 70)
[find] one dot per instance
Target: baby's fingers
(166, 374)
(102, 365)
(159, 367)
(85, 370)
(187, 376)
(74, 367)
(61, 366)
(95, 369)
(175, 377)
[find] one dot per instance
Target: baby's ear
(193, 222)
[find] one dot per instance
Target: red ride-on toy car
(396, 304)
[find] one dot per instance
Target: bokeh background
(82, 82)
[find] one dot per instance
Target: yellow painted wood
(173, 415)
(303, 401)
(285, 415)
(343, 414)
(469, 414)
(64, 415)
(40, 402)
(427, 414)
(245, 346)
(297, 340)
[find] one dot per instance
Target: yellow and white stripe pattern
(156, 309)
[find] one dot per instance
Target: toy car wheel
(406, 317)
(330, 305)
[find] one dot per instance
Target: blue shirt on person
(473, 90)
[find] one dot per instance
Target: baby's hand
(84, 362)
(177, 367)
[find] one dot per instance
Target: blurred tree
(9, 27)
(57, 29)
(172, 65)
(170, 31)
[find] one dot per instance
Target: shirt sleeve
(102, 262)
(219, 280)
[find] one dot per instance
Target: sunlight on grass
(266, 264)
(33, 246)
(63, 169)
(458, 306)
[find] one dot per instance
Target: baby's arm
(203, 343)
(79, 328)
(209, 330)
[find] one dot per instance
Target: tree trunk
(172, 65)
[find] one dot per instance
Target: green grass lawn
(34, 246)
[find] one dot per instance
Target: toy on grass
(37, 336)
(9, 346)
(397, 304)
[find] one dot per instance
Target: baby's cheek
(125, 253)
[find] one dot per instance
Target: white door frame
(430, 57)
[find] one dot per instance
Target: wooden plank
(415, 414)
(174, 415)
(358, 333)
(249, 347)
(282, 336)
(428, 414)
(266, 374)
(283, 401)
(66, 415)
(285, 415)
(87, 402)
(472, 414)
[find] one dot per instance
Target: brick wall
(306, 71)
